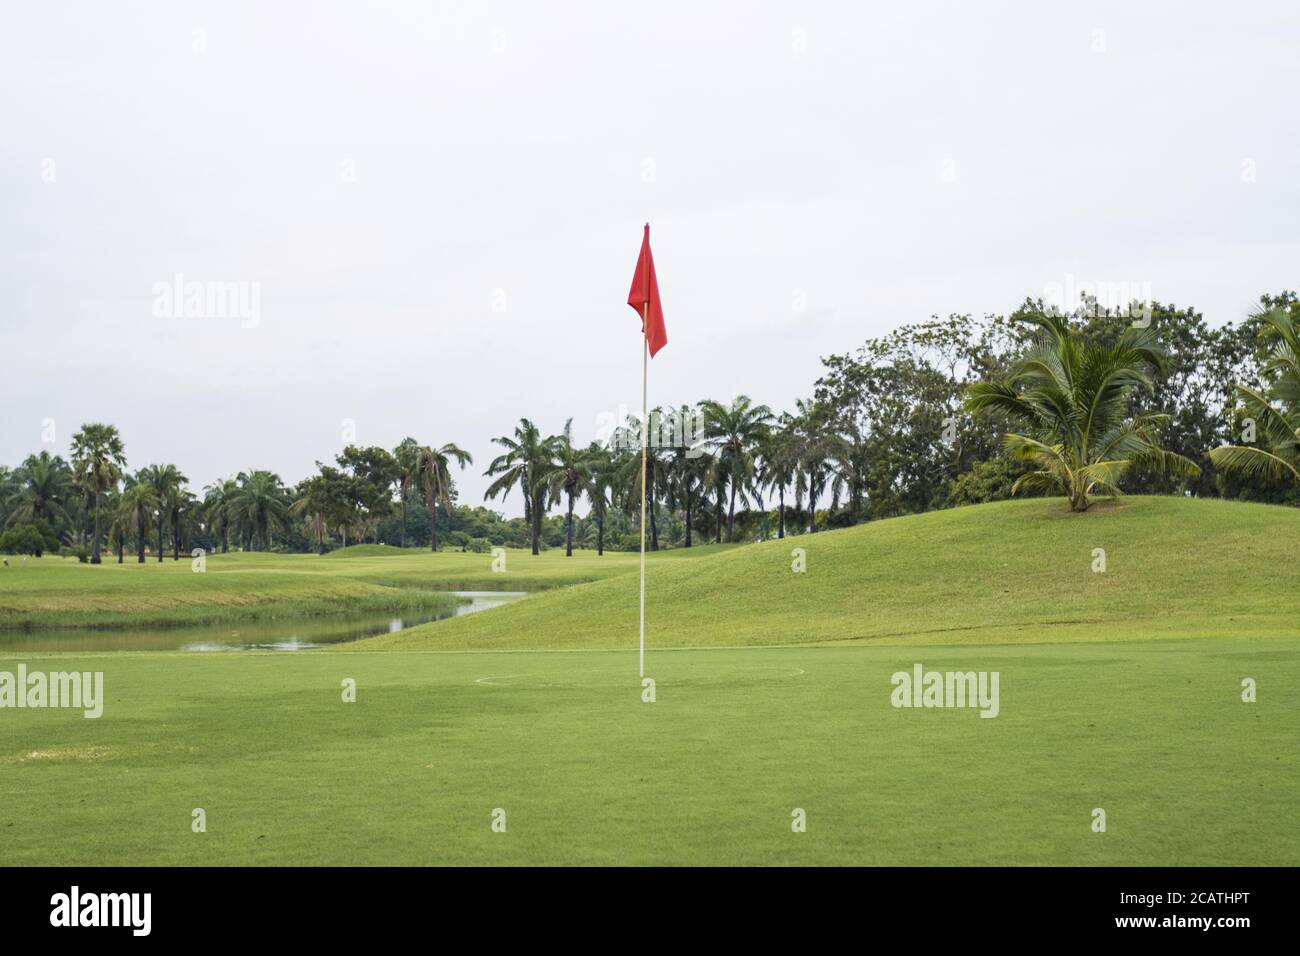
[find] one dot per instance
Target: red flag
(645, 289)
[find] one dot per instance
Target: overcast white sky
(442, 202)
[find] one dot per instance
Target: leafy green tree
(98, 458)
(23, 539)
(375, 472)
(1074, 399)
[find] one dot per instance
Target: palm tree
(571, 478)
(601, 470)
(685, 471)
(527, 465)
(39, 489)
(137, 505)
(315, 502)
(180, 501)
(1074, 399)
(630, 476)
(714, 494)
(434, 466)
(98, 457)
(118, 528)
(217, 505)
(407, 455)
(780, 464)
(259, 504)
(168, 486)
(733, 433)
(813, 446)
(1276, 412)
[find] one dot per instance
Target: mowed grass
(1014, 571)
(52, 592)
(1119, 690)
(1153, 732)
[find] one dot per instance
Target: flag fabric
(645, 290)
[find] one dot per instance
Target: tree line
(935, 414)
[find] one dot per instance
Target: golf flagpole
(645, 446)
(644, 298)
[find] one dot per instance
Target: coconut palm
(527, 465)
(570, 478)
(258, 505)
(314, 502)
(779, 466)
(98, 458)
(628, 478)
(168, 484)
(136, 506)
(218, 499)
(1274, 453)
(39, 489)
(434, 465)
(684, 469)
(407, 456)
(602, 469)
(733, 433)
(1074, 398)
(813, 445)
(118, 528)
(178, 503)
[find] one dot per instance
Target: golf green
(1154, 733)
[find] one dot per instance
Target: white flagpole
(645, 442)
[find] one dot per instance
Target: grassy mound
(370, 551)
(1010, 571)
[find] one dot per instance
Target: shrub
(24, 539)
(990, 480)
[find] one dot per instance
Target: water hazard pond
(284, 634)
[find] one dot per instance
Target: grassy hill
(1010, 571)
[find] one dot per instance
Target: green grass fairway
(1118, 690)
(53, 592)
(1013, 571)
(1153, 732)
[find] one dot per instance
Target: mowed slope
(1010, 571)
